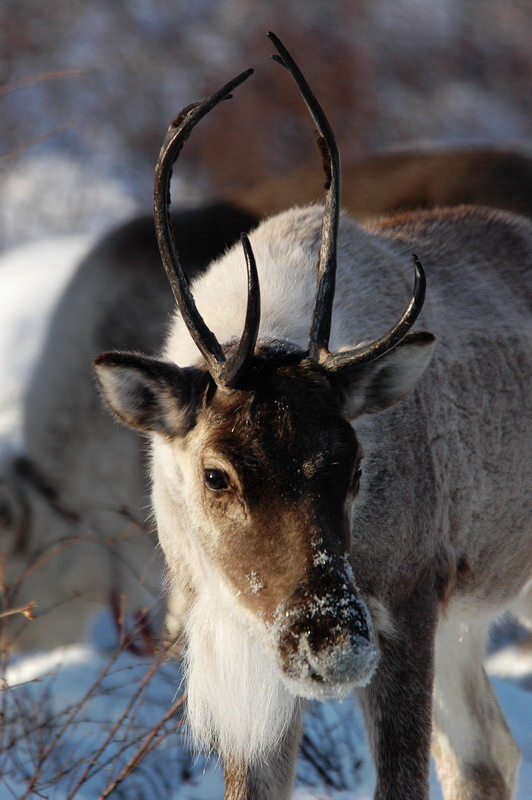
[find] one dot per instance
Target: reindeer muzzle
(324, 637)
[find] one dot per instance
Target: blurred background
(88, 88)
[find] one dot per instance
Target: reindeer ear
(150, 395)
(373, 387)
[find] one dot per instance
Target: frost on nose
(324, 638)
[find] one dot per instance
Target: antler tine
(321, 320)
(371, 352)
(233, 368)
(176, 136)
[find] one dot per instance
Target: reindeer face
(268, 476)
(273, 469)
(258, 482)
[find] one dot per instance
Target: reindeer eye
(357, 474)
(215, 479)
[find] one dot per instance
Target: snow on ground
(47, 688)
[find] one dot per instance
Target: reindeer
(401, 180)
(325, 547)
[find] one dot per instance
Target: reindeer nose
(333, 669)
(324, 642)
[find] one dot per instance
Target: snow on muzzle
(324, 637)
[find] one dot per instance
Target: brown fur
(407, 180)
(265, 780)
(261, 446)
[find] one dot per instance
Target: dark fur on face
(277, 463)
(290, 459)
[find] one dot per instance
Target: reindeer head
(256, 442)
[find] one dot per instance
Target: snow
(255, 582)
(55, 682)
(86, 708)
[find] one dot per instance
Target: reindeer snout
(325, 639)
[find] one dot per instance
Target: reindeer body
(439, 527)
(407, 180)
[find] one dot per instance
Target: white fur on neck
(237, 702)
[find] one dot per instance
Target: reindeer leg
(397, 703)
(271, 779)
(476, 756)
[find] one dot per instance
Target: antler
(370, 352)
(321, 320)
(225, 373)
